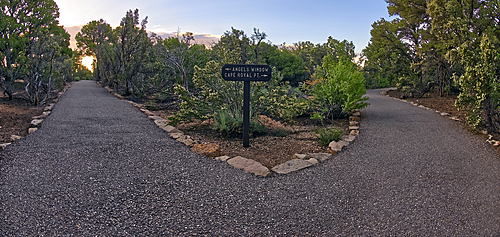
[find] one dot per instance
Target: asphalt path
(99, 167)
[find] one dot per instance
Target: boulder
(32, 130)
(354, 118)
(46, 113)
(36, 122)
(222, 158)
(445, 114)
(319, 156)
(291, 165)
(353, 123)
(354, 133)
(353, 127)
(357, 114)
(208, 149)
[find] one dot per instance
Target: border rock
(299, 156)
(337, 146)
(348, 138)
(354, 118)
(313, 161)
(3, 146)
(171, 129)
(36, 122)
(176, 135)
(222, 158)
(291, 165)
(208, 149)
(319, 156)
(353, 123)
(354, 133)
(15, 138)
(156, 118)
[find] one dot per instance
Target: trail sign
(246, 73)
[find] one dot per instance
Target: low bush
(228, 125)
(340, 90)
(327, 135)
(213, 97)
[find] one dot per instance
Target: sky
(286, 22)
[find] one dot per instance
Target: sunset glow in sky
(287, 22)
(87, 62)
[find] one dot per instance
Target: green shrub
(151, 105)
(212, 95)
(163, 96)
(281, 133)
(327, 135)
(230, 125)
(340, 91)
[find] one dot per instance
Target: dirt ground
(444, 104)
(274, 148)
(16, 114)
(15, 117)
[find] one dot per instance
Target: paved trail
(98, 166)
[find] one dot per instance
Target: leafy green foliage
(151, 105)
(229, 125)
(341, 91)
(479, 82)
(473, 44)
(290, 65)
(215, 96)
(23, 24)
(388, 59)
(327, 135)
